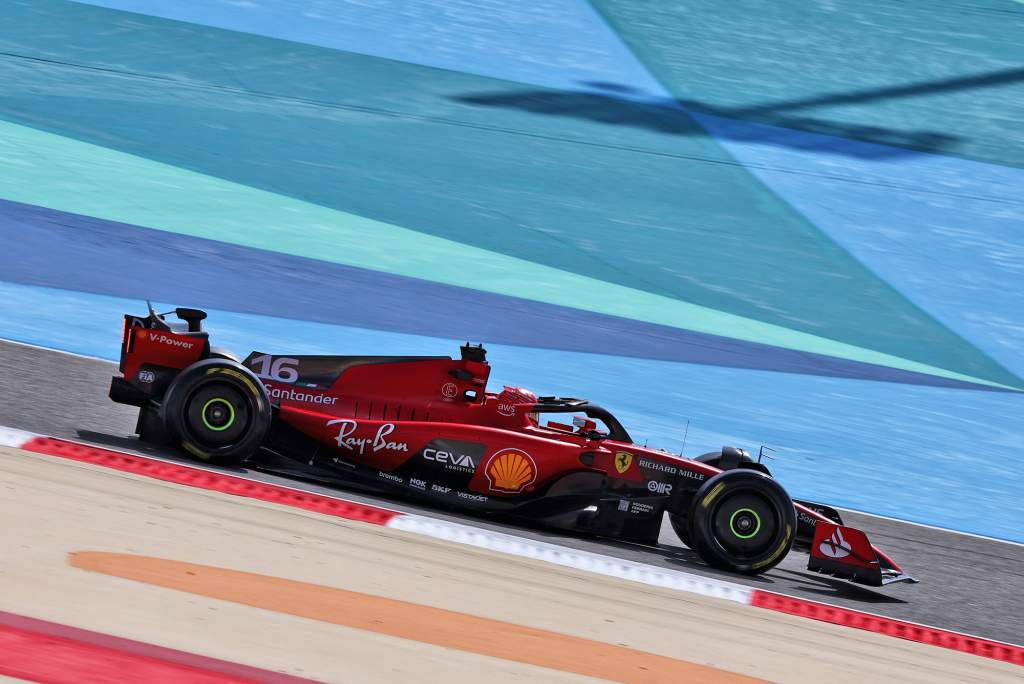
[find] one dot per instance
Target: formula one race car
(426, 426)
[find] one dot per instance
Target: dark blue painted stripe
(40, 246)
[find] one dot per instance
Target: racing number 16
(282, 369)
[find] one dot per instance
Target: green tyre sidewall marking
(732, 519)
(231, 409)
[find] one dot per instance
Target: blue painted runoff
(553, 43)
(934, 455)
(40, 246)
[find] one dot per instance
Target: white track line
(9, 437)
(485, 539)
(852, 510)
(930, 527)
(571, 558)
(527, 548)
(58, 351)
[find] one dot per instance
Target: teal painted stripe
(68, 175)
(612, 190)
(939, 77)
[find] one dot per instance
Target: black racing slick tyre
(681, 526)
(218, 411)
(742, 520)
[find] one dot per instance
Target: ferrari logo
(623, 459)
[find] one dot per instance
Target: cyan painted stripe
(41, 246)
(899, 450)
(60, 173)
(946, 232)
(555, 43)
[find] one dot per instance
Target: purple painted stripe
(40, 246)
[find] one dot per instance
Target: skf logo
(835, 546)
(623, 459)
(659, 487)
(510, 470)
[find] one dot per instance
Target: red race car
(426, 426)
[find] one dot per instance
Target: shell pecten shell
(510, 470)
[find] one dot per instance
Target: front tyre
(743, 521)
(218, 411)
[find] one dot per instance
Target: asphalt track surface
(968, 584)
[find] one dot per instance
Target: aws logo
(510, 471)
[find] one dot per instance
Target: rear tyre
(218, 411)
(743, 521)
(681, 526)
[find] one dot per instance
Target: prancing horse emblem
(623, 459)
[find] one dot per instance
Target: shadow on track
(616, 105)
(670, 557)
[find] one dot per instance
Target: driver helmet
(518, 395)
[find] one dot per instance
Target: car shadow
(137, 445)
(809, 582)
(674, 557)
(823, 585)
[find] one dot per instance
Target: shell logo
(142, 334)
(510, 470)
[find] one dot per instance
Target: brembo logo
(835, 546)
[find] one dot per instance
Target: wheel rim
(745, 524)
(218, 414)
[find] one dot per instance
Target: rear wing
(153, 352)
(154, 321)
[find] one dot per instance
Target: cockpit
(585, 419)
